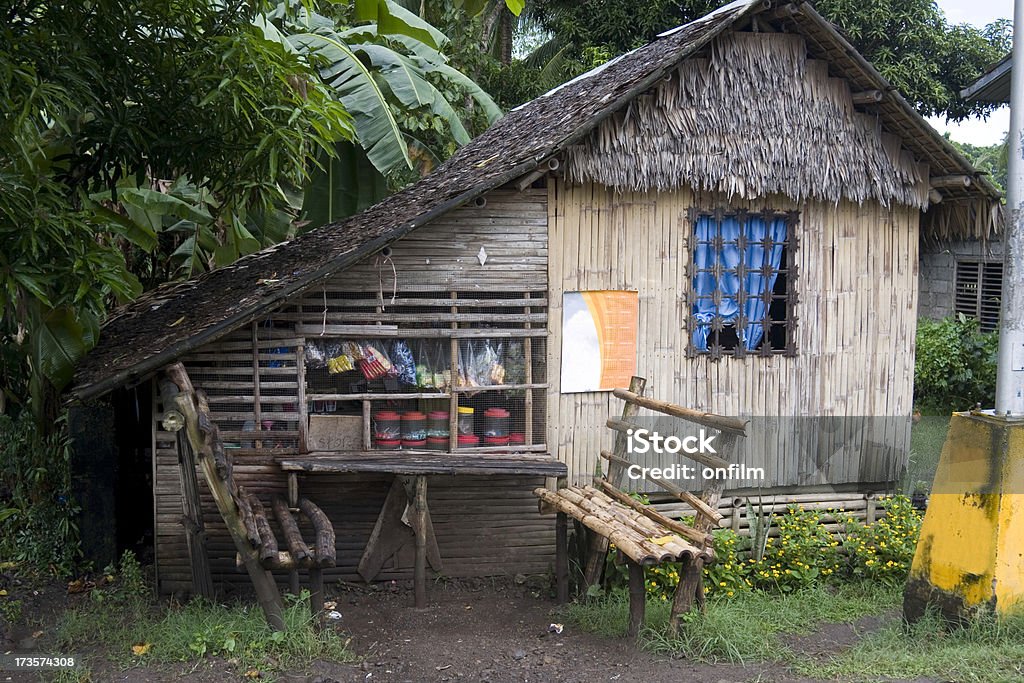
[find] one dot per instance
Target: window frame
(789, 268)
(981, 281)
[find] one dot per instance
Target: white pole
(1010, 373)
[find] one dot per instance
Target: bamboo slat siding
(855, 336)
(484, 525)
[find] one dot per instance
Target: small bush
(955, 365)
(37, 528)
(804, 554)
(883, 551)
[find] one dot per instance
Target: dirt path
(499, 634)
(483, 631)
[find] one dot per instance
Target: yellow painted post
(970, 556)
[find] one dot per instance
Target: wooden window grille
(979, 290)
(722, 310)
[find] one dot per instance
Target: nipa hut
(733, 212)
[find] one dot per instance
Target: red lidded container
(388, 444)
(414, 443)
(495, 440)
(438, 423)
(496, 422)
(517, 439)
(414, 426)
(387, 425)
(468, 441)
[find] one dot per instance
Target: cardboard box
(335, 433)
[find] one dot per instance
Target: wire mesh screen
(251, 381)
(428, 370)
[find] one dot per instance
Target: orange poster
(599, 331)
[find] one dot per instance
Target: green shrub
(955, 365)
(804, 554)
(37, 527)
(883, 551)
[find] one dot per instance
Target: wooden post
(562, 558)
(191, 508)
(690, 588)
(599, 544)
(419, 527)
(453, 368)
(201, 433)
(316, 596)
(192, 520)
(528, 378)
(637, 598)
(302, 409)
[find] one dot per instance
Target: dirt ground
(484, 631)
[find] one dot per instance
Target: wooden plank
(389, 533)
(441, 463)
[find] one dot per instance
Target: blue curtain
(754, 256)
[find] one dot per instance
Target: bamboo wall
(855, 335)
(484, 525)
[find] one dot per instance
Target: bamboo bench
(644, 536)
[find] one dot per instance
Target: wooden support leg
(293, 490)
(689, 589)
(419, 527)
(293, 582)
(562, 558)
(599, 544)
(637, 598)
(316, 596)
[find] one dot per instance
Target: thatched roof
(695, 129)
(174, 319)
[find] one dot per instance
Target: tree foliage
(142, 141)
(909, 41)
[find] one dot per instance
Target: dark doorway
(134, 483)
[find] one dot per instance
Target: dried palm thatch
(755, 118)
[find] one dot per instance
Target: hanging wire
(380, 279)
(323, 327)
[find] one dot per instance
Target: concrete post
(1010, 373)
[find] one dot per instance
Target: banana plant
(390, 62)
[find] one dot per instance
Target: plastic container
(388, 444)
(387, 425)
(517, 439)
(414, 426)
(414, 443)
(437, 443)
(468, 440)
(438, 424)
(496, 441)
(465, 421)
(496, 422)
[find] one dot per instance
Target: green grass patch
(740, 629)
(988, 651)
(121, 623)
(927, 438)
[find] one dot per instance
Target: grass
(749, 628)
(989, 651)
(121, 624)
(926, 440)
(741, 629)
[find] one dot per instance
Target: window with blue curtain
(742, 284)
